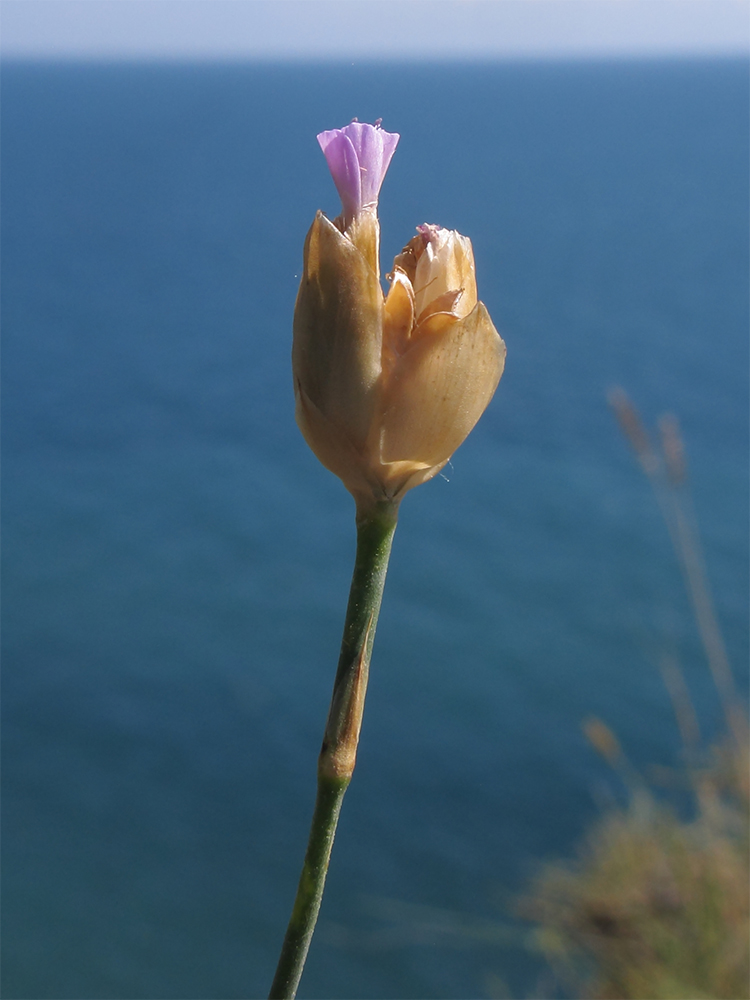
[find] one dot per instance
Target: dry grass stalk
(657, 908)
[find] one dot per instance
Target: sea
(176, 561)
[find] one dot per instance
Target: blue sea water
(176, 562)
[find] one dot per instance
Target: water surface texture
(177, 562)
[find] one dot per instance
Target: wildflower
(386, 387)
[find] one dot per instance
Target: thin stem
(694, 570)
(376, 523)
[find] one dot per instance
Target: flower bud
(386, 388)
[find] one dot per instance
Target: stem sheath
(376, 523)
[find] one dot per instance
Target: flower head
(387, 387)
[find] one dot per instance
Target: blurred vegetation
(657, 907)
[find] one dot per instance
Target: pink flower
(358, 156)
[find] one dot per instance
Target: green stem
(376, 523)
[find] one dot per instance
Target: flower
(358, 157)
(386, 387)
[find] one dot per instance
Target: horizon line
(371, 59)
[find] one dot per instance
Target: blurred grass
(657, 907)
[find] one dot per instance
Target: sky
(371, 29)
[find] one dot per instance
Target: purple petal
(358, 156)
(343, 163)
